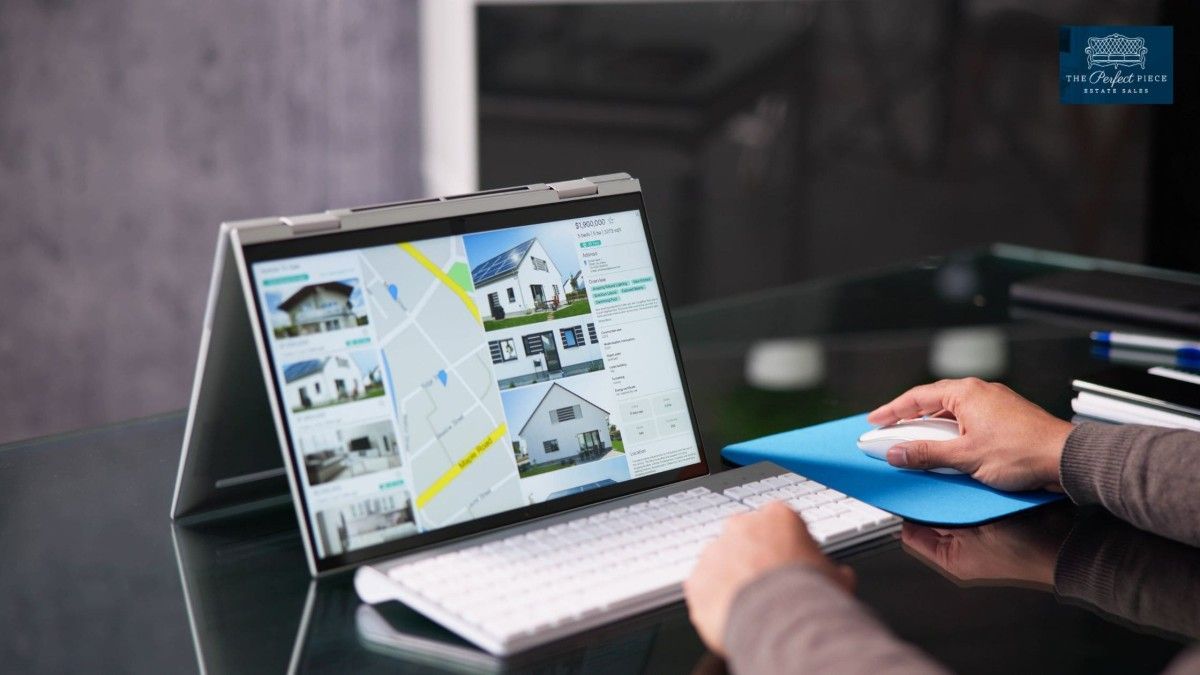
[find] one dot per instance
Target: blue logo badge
(1116, 64)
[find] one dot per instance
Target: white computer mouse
(875, 443)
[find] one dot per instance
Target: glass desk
(96, 577)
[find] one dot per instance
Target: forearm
(793, 620)
(1147, 476)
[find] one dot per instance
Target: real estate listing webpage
(432, 382)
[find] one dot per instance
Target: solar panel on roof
(500, 264)
(295, 371)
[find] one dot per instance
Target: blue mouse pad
(828, 453)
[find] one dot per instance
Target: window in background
(781, 141)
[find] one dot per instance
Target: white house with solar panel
(521, 280)
(319, 382)
(564, 426)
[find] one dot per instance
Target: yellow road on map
(444, 278)
(431, 491)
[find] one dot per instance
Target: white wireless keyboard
(523, 590)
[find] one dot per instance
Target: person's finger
(921, 539)
(846, 577)
(806, 538)
(735, 525)
(930, 455)
(920, 400)
(776, 509)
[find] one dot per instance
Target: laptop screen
(426, 384)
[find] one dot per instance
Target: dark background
(777, 142)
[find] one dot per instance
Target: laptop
(478, 403)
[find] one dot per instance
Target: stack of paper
(1162, 397)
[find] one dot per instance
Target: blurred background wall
(778, 141)
(128, 130)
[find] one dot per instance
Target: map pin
(393, 291)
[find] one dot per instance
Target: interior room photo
(628, 336)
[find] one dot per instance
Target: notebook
(1160, 397)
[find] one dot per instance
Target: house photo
(349, 452)
(561, 428)
(521, 276)
(545, 351)
(317, 308)
(365, 523)
(330, 380)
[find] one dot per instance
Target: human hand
(1006, 442)
(1021, 551)
(751, 545)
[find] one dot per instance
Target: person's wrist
(1056, 441)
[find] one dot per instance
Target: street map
(458, 454)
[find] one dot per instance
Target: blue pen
(1182, 349)
(1143, 357)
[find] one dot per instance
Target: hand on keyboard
(749, 546)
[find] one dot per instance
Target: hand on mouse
(751, 545)
(1006, 442)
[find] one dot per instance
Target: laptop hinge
(567, 189)
(316, 222)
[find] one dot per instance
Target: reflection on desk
(252, 607)
(1093, 561)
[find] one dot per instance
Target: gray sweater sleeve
(795, 620)
(1147, 476)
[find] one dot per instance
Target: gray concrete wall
(128, 130)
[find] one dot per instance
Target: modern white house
(319, 307)
(317, 382)
(548, 350)
(519, 281)
(564, 426)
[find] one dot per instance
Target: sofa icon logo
(1116, 50)
(1116, 64)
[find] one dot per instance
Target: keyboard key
(756, 501)
(800, 503)
(806, 488)
(756, 487)
(813, 514)
(739, 492)
(820, 498)
(833, 530)
(733, 508)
